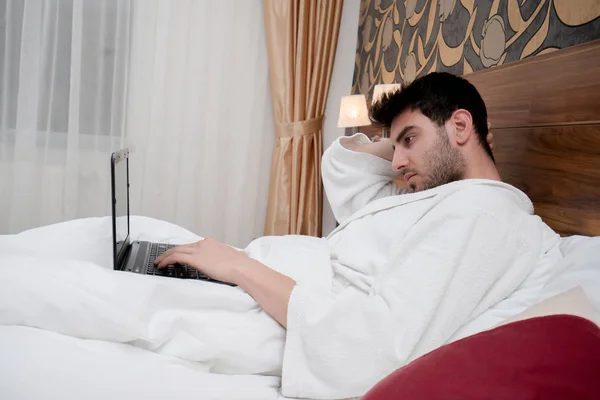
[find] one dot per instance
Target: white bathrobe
(409, 270)
(396, 279)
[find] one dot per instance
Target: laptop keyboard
(181, 271)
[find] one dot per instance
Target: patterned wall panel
(399, 40)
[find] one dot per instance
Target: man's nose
(399, 161)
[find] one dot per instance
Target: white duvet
(207, 341)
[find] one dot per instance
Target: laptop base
(140, 260)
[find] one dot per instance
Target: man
(398, 278)
(408, 270)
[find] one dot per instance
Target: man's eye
(408, 139)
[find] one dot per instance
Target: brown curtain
(301, 40)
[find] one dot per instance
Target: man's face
(423, 152)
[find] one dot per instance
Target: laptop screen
(120, 200)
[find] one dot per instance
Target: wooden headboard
(545, 115)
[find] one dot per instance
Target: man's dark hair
(436, 95)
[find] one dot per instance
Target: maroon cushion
(550, 358)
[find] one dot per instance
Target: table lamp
(353, 112)
(378, 92)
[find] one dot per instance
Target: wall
(341, 81)
(400, 40)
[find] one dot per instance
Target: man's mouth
(408, 176)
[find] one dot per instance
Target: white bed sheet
(38, 364)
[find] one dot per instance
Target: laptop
(138, 256)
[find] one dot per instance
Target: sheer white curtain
(63, 79)
(200, 123)
(182, 83)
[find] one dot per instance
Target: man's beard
(443, 163)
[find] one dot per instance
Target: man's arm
(268, 287)
(356, 172)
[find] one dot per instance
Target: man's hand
(268, 287)
(381, 147)
(208, 256)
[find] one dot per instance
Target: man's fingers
(175, 258)
(185, 249)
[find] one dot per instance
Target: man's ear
(462, 121)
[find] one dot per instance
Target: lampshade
(379, 90)
(353, 111)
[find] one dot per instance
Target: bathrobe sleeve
(449, 268)
(353, 179)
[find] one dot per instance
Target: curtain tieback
(299, 128)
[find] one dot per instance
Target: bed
(547, 143)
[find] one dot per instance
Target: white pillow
(572, 302)
(89, 239)
(579, 267)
